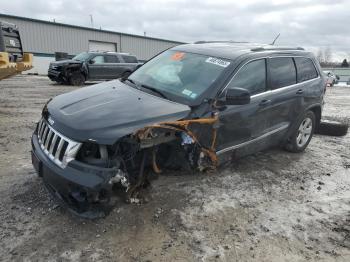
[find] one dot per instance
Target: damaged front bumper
(82, 175)
(78, 186)
(55, 75)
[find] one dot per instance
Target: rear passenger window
(282, 72)
(305, 69)
(252, 77)
(111, 59)
(130, 59)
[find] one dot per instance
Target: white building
(44, 38)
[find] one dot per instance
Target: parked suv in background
(331, 78)
(191, 106)
(92, 66)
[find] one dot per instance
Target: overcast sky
(309, 23)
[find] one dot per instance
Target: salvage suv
(92, 66)
(191, 107)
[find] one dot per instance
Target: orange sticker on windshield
(177, 56)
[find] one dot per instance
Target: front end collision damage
(123, 168)
(63, 71)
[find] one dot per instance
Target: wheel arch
(317, 110)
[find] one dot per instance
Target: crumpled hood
(65, 62)
(107, 111)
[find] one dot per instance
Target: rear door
(285, 96)
(309, 81)
(240, 124)
(129, 62)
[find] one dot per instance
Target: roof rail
(227, 41)
(271, 48)
(108, 52)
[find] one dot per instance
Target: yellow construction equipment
(12, 58)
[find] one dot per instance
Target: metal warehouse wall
(48, 38)
(143, 48)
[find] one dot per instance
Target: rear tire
(77, 79)
(302, 133)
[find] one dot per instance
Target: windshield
(181, 74)
(82, 57)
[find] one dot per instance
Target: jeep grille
(55, 145)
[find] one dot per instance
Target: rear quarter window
(282, 72)
(305, 69)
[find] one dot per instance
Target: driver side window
(98, 59)
(252, 77)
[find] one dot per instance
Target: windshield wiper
(131, 81)
(154, 90)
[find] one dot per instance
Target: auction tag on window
(187, 92)
(217, 61)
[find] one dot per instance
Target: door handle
(300, 92)
(265, 102)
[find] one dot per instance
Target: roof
(232, 50)
(85, 28)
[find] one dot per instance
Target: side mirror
(237, 96)
(91, 62)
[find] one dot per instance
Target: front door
(97, 68)
(241, 124)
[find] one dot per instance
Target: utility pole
(92, 21)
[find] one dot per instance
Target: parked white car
(330, 77)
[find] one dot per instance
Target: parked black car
(190, 107)
(92, 66)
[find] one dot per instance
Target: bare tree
(320, 56)
(327, 55)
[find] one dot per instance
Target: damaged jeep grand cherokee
(190, 107)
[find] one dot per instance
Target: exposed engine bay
(188, 143)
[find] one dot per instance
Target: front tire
(302, 133)
(77, 79)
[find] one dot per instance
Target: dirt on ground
(271, 206)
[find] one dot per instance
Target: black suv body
(92, 66)
(191, 106)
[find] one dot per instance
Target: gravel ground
(272, 206)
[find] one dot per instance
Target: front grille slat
(57, 142)
(39, 128)
(48, 139)
(63, 150)
(42, 129)
(53, 144)
(46, 131)
(59, 148)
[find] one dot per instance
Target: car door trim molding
(253, 140)
(281, 88)
(273, 91)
